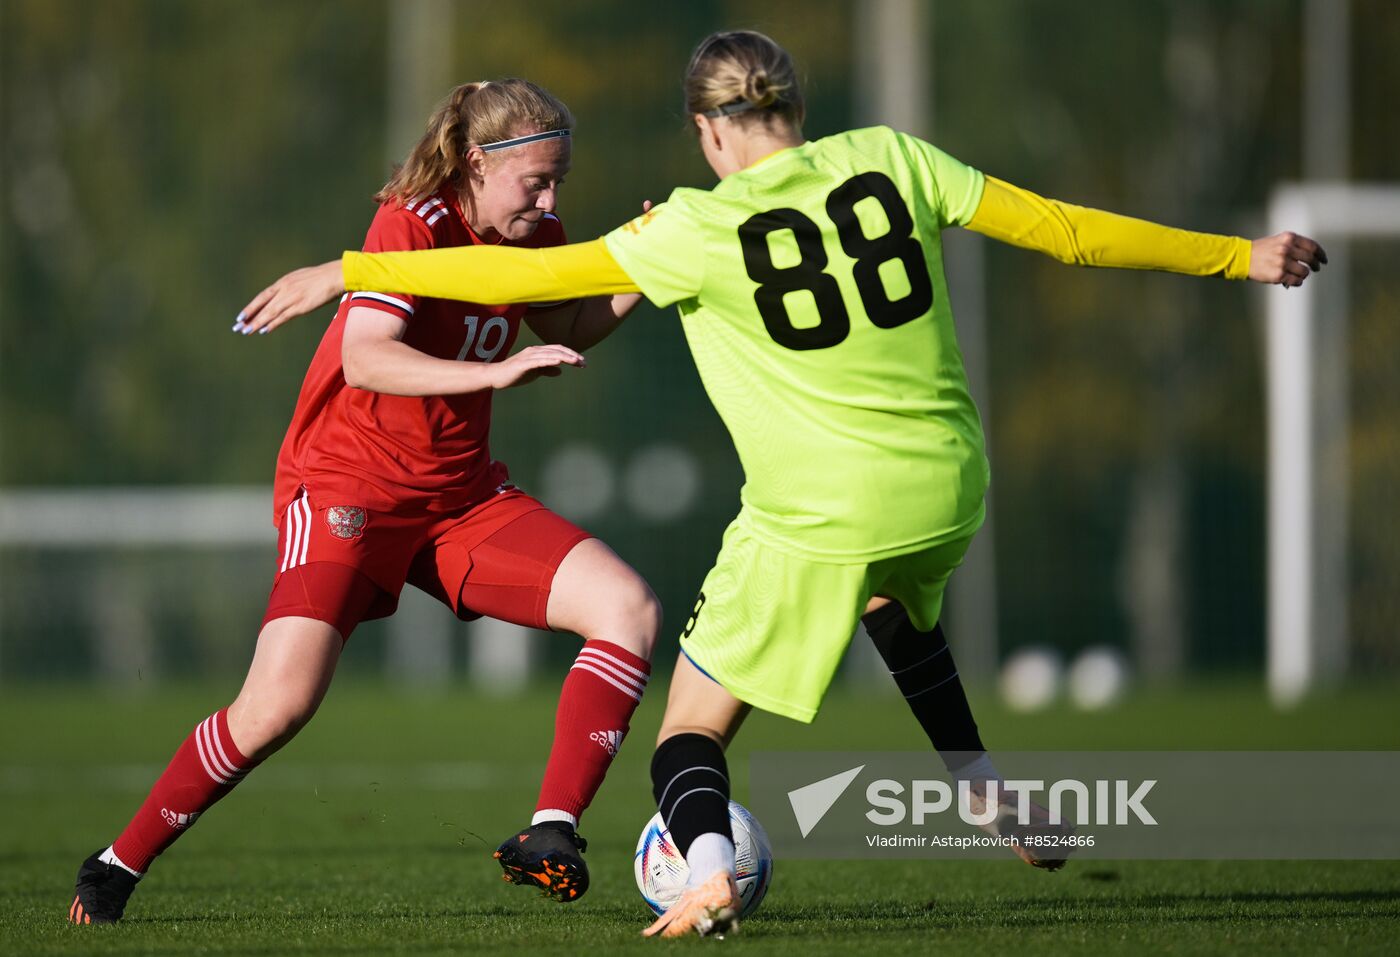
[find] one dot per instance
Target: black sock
(690, 781)
(921, 664)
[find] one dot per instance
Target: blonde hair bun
(758, 90)
(743, 66)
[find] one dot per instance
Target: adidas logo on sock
(610, 740)
(176, 820)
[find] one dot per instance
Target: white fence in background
(124, 521)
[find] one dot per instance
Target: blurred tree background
(162, 160)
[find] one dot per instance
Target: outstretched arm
(1092, 237)
(295, 294)
(495, 274)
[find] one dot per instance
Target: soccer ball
(1031, 678)
(662, 872)
(1098, 678)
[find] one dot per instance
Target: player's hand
(295, 294)
(1285, 258)
(527, 365)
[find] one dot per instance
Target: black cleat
(101, 893)
(547, 856)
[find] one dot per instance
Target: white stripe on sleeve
(381, 297)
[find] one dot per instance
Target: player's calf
(922, 666)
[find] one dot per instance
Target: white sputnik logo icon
(811, 802)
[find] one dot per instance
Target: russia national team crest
(346, 521)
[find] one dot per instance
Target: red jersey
(375, 450)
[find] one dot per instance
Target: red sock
(600, 693)
(205, 768)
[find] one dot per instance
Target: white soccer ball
(662, 872)
(1098, 678)
(1030, 679)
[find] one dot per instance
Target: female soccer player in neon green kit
(810, 286)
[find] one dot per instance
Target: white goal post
(1307, 404)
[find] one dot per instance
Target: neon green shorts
(772, 628)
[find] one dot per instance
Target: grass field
(372, 832)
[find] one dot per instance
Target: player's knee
(647, 608)
(261, 728)
(884, 618)
(675, 729)
(630, 617)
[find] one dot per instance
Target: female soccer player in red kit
(385, 477)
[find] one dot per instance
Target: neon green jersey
(811, 290)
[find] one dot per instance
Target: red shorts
(344, 563)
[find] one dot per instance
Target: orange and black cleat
(101, 892)
(710, 909)
(548, 856)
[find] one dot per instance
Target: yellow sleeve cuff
(1092, 237)
(491, 274)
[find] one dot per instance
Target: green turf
(371, 834)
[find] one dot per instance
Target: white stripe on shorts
(306, 534)
(296, 532)
(287, 535)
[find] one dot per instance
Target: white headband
(522, 140)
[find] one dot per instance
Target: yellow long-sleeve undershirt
(1071, 234)
(1092, 237)
(491, 274)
